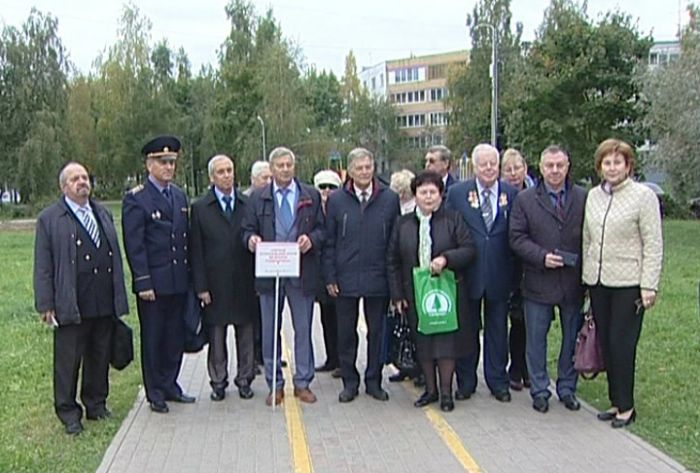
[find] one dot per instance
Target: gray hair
(357, 154)
(257, 168)
(484, 148)
(62, 174)
(401, 182)
(554, 149)
(281, 151)
(214, 160)
(442, 151)
(511, 154)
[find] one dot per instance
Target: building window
(653, 58)
(381, 80)
(374, 83)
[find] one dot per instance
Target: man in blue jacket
(155, 224)
(287, 211)
(485, 202)
(358, 226)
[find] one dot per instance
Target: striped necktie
(90, 225)
(486, 209)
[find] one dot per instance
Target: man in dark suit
(439, 159)
(287, 211)
(358, 227)
(545, 232)
(222, 272)
(485, 202)
(155, 225)
(78, 290)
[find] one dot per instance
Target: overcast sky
(326, 30)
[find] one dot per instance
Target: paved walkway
(480, 435)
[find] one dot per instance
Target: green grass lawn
(668, 355)
(32, 439)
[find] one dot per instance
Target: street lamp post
(264, 148)
(494, 79)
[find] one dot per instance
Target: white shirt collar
(358, 192)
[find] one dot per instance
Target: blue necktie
(167, 195)
(285, 214)
(228, 210)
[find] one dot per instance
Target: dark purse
(122, 353)
(588, 357)
(402, 349)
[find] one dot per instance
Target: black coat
(220, 263)
(356, 241)
(451, 239)
(535, 230)
(55, 272)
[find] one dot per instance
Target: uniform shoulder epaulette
(136, 189)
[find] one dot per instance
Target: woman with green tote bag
(428, 250)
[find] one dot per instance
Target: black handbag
(403, 349)
(122, 353)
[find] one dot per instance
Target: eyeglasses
(327, 186)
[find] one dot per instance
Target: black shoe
(283, 364)
(570, 402)
(245, 392)
(258, 370)
(425, 399)
(378, 393)
(419, 382)
(398, 377)
(446, 403)
(218, 394)
(618, 423)
(502, 396)
(540, 404)
(606, 416)
(104, 414)
(182, 398)
(347, 395)
(160, 407)
(516, 385)
(462, 395)
(326, 367)
(336, 373)
(74, 428)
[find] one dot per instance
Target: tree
(674, 115)
(33, 102)
(325, 100)
(470, 85)
(577, 87)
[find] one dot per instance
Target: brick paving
(366, 435)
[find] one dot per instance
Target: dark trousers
(619, 324)
(88, 343)
(517, 370)
(257, 335)
(217, 355)
(495, 346)
(375, 309)
(329, 321)
(162, 342)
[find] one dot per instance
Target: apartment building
(417, 87)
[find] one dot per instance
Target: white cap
(327, 176)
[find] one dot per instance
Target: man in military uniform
(155, 224)
(79, 289)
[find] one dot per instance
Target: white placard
(277, 259)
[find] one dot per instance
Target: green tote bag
(436, 301)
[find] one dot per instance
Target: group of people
(517, 248)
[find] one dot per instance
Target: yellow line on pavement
(298, 442)
(452, 440)
(448, 435)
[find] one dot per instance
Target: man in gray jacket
(78, 290)
(545, 232)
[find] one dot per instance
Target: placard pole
(274, 343)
